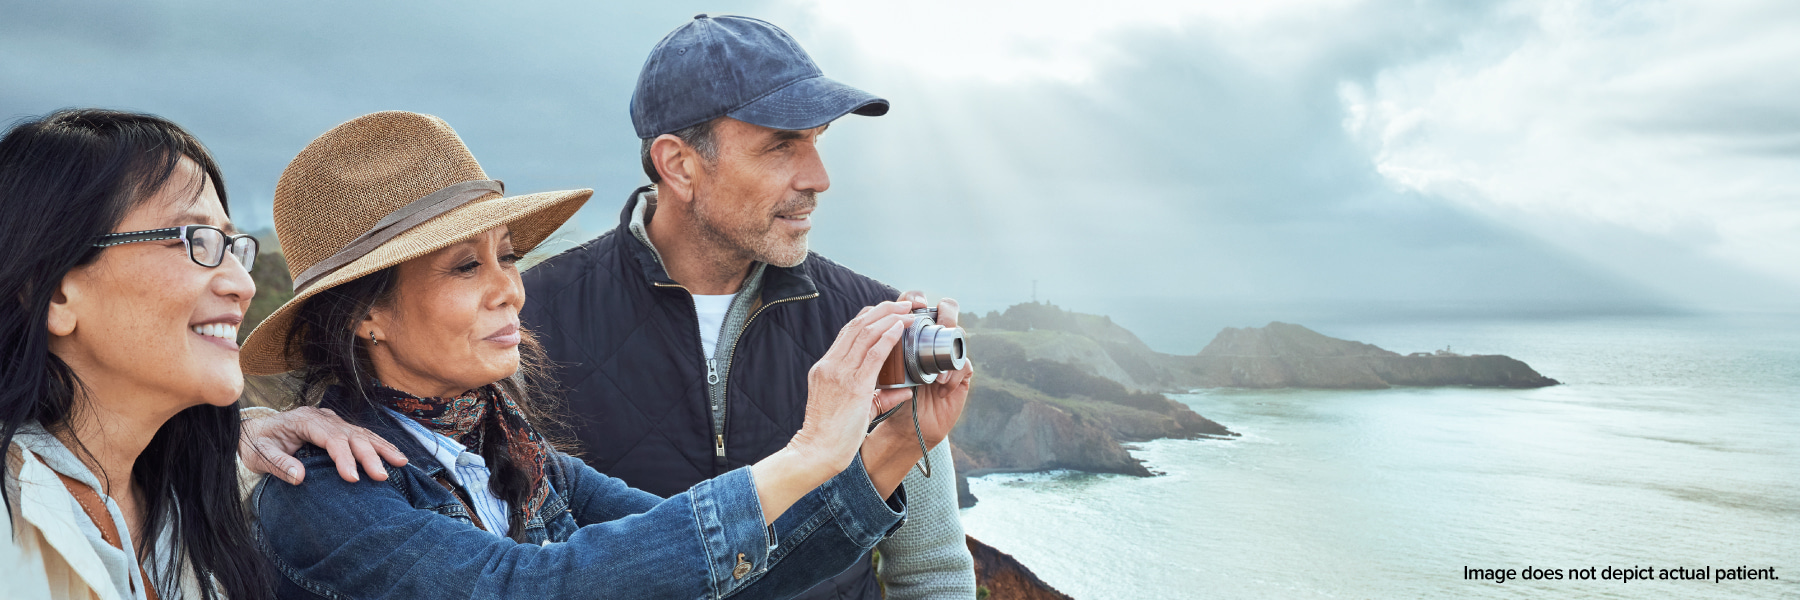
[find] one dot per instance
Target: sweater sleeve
(927, 558)
(248, 479)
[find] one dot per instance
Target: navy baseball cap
(741, 68)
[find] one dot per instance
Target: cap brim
(809, 103)
(532, 217)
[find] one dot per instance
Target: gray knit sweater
(927, 557)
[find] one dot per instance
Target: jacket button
(742, 569)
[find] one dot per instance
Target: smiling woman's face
(452, 321)
(144, 322)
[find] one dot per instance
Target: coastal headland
(1065, 390)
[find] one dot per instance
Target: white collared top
(466, 469)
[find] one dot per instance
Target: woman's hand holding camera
(840, 401)
(841, 396)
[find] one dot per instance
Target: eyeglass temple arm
(114, 239)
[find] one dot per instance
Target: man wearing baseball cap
(686, 333)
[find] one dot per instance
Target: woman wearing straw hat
(405, 321)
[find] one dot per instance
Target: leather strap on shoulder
(96, 511)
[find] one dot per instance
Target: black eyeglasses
(206, 244)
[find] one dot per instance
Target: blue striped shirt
(466, 469)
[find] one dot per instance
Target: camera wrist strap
(924, 452)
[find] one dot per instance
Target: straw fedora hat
(378, 191)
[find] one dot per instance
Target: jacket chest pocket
(560, 528)
(456, 511)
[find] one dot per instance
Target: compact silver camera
(925, 350)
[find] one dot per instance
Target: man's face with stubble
(758, 195)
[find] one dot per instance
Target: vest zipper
(712, 373)
(712, 365)
(731, 354)
(712, 378)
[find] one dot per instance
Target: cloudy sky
(1181, 165)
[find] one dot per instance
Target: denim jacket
(410, 537)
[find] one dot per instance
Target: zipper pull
(719, 446)
(712, 371)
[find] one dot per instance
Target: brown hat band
(397, 222)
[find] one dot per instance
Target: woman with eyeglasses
(125, 283)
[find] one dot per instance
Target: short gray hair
(699, 137)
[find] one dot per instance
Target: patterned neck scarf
(464, 418)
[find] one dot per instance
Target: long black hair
(65, 179)
(323, 335)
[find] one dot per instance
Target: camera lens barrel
(930, 349)
(945, 350)
(924, 351)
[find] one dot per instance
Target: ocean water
(1675, 442)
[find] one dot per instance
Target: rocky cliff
(1000, 577)
(1005, 428)
(1034, 414)
(1042, 401)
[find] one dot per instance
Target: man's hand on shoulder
(269, 440)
